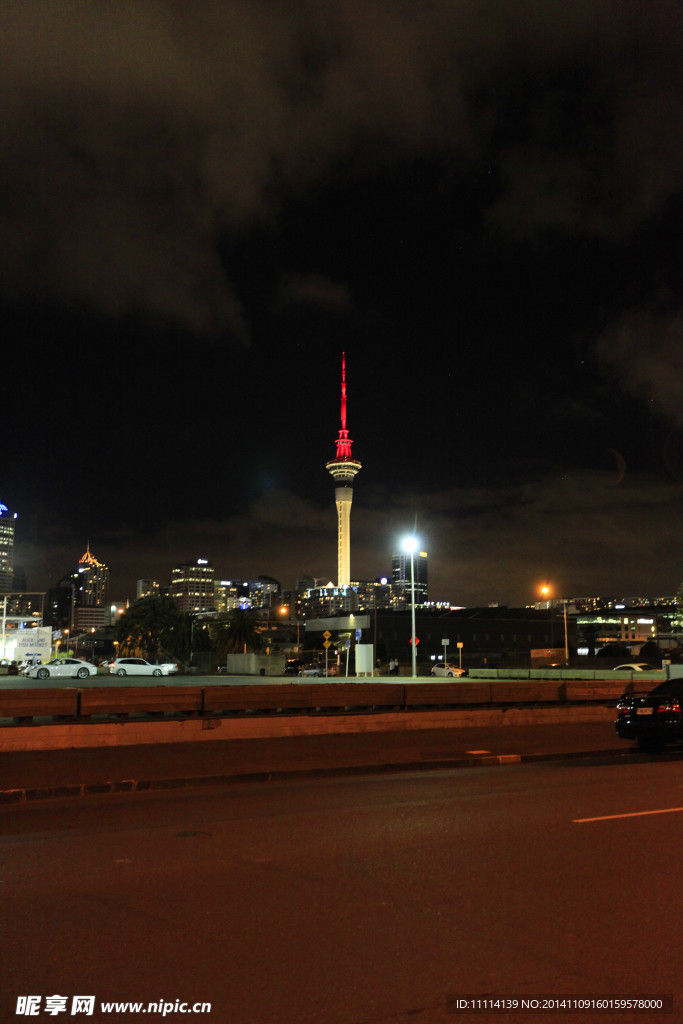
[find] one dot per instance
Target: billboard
(28, 643)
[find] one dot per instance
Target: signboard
(326, 644)
(21, 644)
(364, 659)
(327, 634)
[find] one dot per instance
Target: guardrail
(76, 704)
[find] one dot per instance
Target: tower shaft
(343, 469)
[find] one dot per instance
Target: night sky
(479, 201)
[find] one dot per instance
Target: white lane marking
(633, 814)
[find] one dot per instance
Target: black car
(653, 719)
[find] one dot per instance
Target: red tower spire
(343, 442)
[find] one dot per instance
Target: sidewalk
(31, 775)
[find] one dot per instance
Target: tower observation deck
(343, 469)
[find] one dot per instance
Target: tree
(238, 633)
(154, 625)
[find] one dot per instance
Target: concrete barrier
(440, 694)
(578, 690)
(541, 692)
(230, 699)
(357, 695)
(120, 701)
(132, 700)
(133, 732)
(39, 703)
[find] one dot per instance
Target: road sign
(460, 644)
(326, 644)
(417, 640)
(327, 634)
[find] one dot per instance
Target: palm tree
(238, 633)
(153, 625)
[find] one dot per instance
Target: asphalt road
(353, 901)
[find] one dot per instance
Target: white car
(72, 668)
(449, 671)
(635, 666)
(170, 666)
(136, 667)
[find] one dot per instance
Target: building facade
(193, 586)
(7, 523)
(147, 588)
(401, 579)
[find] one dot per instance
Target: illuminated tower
(343, 468)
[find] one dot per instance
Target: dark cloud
(489, 544)
(135, 134)
(480, 202)
(645, 347)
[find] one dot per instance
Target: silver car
(449, 671)
(136, 667)
(72, 668)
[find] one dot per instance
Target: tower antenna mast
(343, 469)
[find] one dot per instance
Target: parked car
(135, 667)
(448, 670)
(652, 719)
(72, 668)
(319, 670)
(635, 666)
(28, 663)
(170, 666)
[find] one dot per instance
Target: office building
(401, 578)
(7, 522)
(193, 586)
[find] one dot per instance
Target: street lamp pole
(409, 544)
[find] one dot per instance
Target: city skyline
(202, 209)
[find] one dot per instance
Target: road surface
(352, 901)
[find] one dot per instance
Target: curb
(31, 794)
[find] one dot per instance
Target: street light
(410, 545)
(547, 593)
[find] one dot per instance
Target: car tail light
(623, 709)
(673, 706)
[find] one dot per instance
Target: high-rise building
(89, 585)
(400, 574)
(343, 469)
(192, 586)
(263, 591)
(7, 521)
(230, 594)
(147, 588)
(93, 582)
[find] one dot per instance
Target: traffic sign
(327, 634)
(326, 644)
(417, 640)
